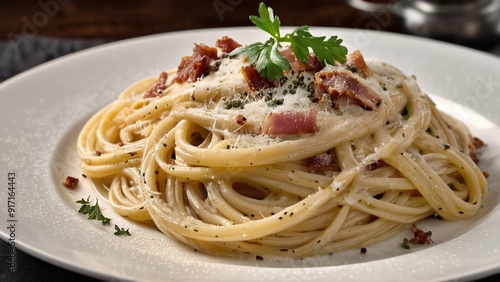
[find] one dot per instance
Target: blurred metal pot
(474, 23)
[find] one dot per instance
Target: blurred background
(36, 31)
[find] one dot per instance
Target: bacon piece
(473, 154)
(70, 182)
(474, 147)
(254, 80)
(241, 119)
(290, 122)
(194, 66)
(339, 82)
(419, 236)
(373, 166)
(227, 44)
(312, 64)
(323, 162)
(356, 63)
(478, 143)
(157, 88)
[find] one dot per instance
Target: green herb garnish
(268, 60)
(405, 244)
(93, 212)
(234, 104)
(85, 208)
(121, 231)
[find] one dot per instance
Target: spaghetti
(285, 170)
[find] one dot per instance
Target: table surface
(48, 29)
(114, 19)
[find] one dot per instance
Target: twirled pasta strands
(181, 161)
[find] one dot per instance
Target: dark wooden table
(114, 19)
(33, 32)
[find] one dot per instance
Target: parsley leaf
(266, 21)
(121, 231)
(405, 244)
(93, 212)
(268, 60)
(85, 208)
(96, 214)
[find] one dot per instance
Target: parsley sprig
(121, 231)
(405, 244)
(93, 212)
(268, 60)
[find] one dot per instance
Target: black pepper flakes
(363, 250)
(437, 216)
(447, 147)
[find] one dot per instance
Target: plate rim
(72, 266)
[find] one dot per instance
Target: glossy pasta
(186, 161)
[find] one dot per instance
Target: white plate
(42, 111)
